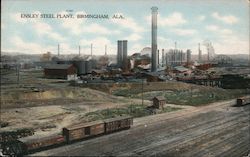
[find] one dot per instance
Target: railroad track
(137, 137)
(180, 130)
(188, 138)
(151, 131)
(162, 134)
(145, 140)
(221, 146)
(210, 146)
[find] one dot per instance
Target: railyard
(214, 130)
(210, 128)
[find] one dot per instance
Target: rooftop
(57, 66)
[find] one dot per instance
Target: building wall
(59, 73)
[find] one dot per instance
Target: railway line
(213, 147)
(212, 142)
(215, 133)
(189, 137)
(214, 130)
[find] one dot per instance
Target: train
(32, 144)
(243, 101)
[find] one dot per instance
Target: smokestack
(105, 50)
(162, 57)
(124, 55)
(208, 52)
(188, 56)
(79, 50)
(119, 53)
(58, 50)
(91, 49)
(200, 54)
(154, 39)
(175, 45)
(158, 56)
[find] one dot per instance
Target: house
(158, 102)
(60, 71)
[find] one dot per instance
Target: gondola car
(119, 123)
(36, 143)
(82, 131)
(242, 101)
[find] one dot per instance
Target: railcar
(32, 144)
(242, 101)
(35, 143)
(82, 131)
(119, 123)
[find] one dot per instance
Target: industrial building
(60, 71)
(175, 57)
(83, 66)
(138, 60)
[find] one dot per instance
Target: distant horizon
(76, 54)
(34, 27)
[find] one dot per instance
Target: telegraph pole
(79, 50)
(142, 100)
(18, 73)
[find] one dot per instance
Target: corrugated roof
(57, 66)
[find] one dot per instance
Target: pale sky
(223, 22)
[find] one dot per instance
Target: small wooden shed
(158, 102)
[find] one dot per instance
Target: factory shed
(158, 102)
(60, 71)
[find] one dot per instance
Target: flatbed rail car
(82, 131)
(243, 101)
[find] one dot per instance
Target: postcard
(125, 78)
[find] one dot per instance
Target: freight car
(36, 143)
(85, 130)
(73, 133)
(119, 123)
(242, 101)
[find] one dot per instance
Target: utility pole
(79, 50)
(58, 50)
(142, 99)
(18, 73)
(105, 50)
(91, 49)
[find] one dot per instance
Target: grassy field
(180, 93)
(134, 110)
(196, 97)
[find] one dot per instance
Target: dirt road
(214, 130)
